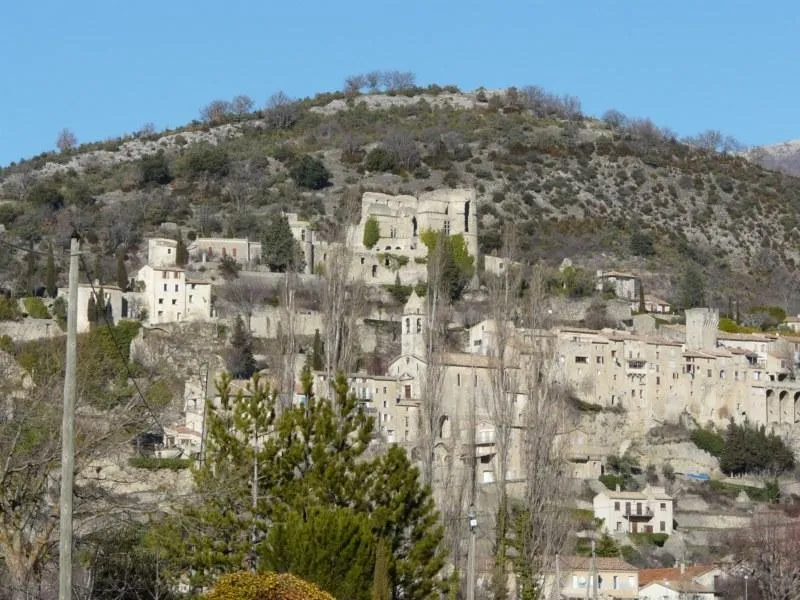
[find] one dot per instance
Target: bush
(204, 159)
(35, 308)
(310, 173)
(155, 169)
(372, 232)
(246, 585)
(9, 309)
(153, 463)
(710, 441)
(379, 160)
(612, 481)
(749, 449)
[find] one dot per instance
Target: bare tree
(246, 293)
(770, 551)
(431, 410)
(66, 140)
(397, 81)
(215, 112)
(373, 81)
(542, 523)
(280, 111)
(401, 145)
(353, 84)
(242, 105)
(614, 119)
(342, 305)
(501, 403)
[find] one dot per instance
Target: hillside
(615, 193)
(784, 157)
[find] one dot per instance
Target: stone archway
(796, 407)
(786, 408)
(773, 407)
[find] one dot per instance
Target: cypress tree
(97, 270)
(91, 311)
(30, 272)
(122, 272)
(317, 356)
(181, 252)
(50, 276)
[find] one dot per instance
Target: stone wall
(27, 329)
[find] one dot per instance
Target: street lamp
(745, 587)
(473, 526)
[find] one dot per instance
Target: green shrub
(379, 160)
(310, 173)
(611, 481)
(372, 232)
(750, 449)
(153, 463)
(203, 159)
(155, 169)
(246, 585)
(710, 441)
(649, 539)
(35, 308)
(9, 309)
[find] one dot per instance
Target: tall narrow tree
(122, 272)
(181, 252)
(50, 275)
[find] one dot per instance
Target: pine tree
(50, 275)
(181, 253)
(381, 589)
(122, 272)
(314, 466)
(240, 361)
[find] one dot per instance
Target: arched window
(408, 325)
(444, 427)
(419, 325)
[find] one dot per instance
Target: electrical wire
(125, 361)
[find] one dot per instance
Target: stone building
(648, 511)
(401, 221)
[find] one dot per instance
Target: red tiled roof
(582, 563)
(672, 574)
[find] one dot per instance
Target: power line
(28, 250)
(125, 360)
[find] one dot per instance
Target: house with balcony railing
(647, 511)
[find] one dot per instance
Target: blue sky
(104, 68)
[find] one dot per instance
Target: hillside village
(594, 381)
(642, 372)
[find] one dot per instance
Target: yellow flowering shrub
(246, 585)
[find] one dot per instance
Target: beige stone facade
(648, 511)
(581, 577)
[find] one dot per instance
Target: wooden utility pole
(68, 430)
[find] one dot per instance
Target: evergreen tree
(315, 477)
(122, 272)
(30, 272)
(607, 547)
(317, 355)
(181, 252)
(97, 270)
(381, 589)
(239, 360)
(50, 275)
(279, 249)
(91, 311)
(692, 287)
(342, 535)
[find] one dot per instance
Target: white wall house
(112, 295)
(581, 577)
(169, 296)
(648, 511)
(695, 582)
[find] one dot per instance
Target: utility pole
(68, 429)
(473, 526)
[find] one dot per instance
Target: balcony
(638, 513)
(484, 437)
(636, 367)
